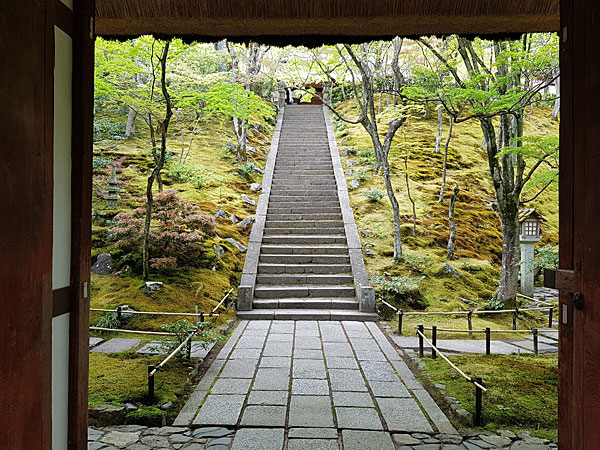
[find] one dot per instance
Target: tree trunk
(509, 275)
(556, 108)
(452, 238)
(441, 199)
(438, 138)
(414, 208)
(396, 211)
(160, 162)
(426, 113)
(130, 127)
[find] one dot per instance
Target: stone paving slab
(116, 345)
(95, 341)
(259, 439)
(220, 410)
(542, 348)
(367, 440)
(312, 444)
(403, 414)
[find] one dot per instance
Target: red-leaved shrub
(176, 231)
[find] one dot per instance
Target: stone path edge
(245, 291)
(431, 408)
(365, 293)
(188, 412)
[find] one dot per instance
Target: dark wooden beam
(26, 181)
(61, 301)
(81, 220)
(63, 17)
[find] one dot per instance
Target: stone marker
(104, 264)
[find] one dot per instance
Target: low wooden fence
(476, 381)
(469, 313)
(152, 370)
(488, 333)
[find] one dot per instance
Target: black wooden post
(550, 316)
(535, 341)
(119, 314)
(515, 312)
(478, 393)
(150, 383)
(196, 311)
(433, 341)
(202, 316)
(420, 328)
(400, 316)
(189, 349)
(470, 323)
(488, 341)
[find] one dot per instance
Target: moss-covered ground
(121, 378)
(479, 237)
(522, 392)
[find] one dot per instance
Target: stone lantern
(112, 196)
(529, 222)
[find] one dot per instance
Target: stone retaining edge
(364, 291)
(248, 279)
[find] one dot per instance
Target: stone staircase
(304, 268)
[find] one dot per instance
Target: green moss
(123, 377)
(522, 392)
(479, 237)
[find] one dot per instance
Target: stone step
(303, 197)
(303, 185)
(303, 291)
(322, 203)
(304, 165)
(304, 209)
(316, 224)
(339, 231)
(307, 314)
(285, 173)
(315, 258)
(302, 303)
(303, 181)
(308, 216)
(303, 239)
(301, 189)
(303, 279)
(324, 249)
(303, 268)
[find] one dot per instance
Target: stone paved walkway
(312, 384)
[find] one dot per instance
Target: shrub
(108, 320)
(98, 162)
(246, 170)
(105, 128)
(176, 232)
(362, 175)
(373, 196)
(546, 256)
(189, 174)
(366, 155)
(494, 305)
(401, 288)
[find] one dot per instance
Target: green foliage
(373, 196)
(362, 175)
(233, 100)
(493, 305)
(246, 170)
(189, 174)
(401, 288)
(546, 257)
(98, 162)
(108, 320)
(106, 128)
